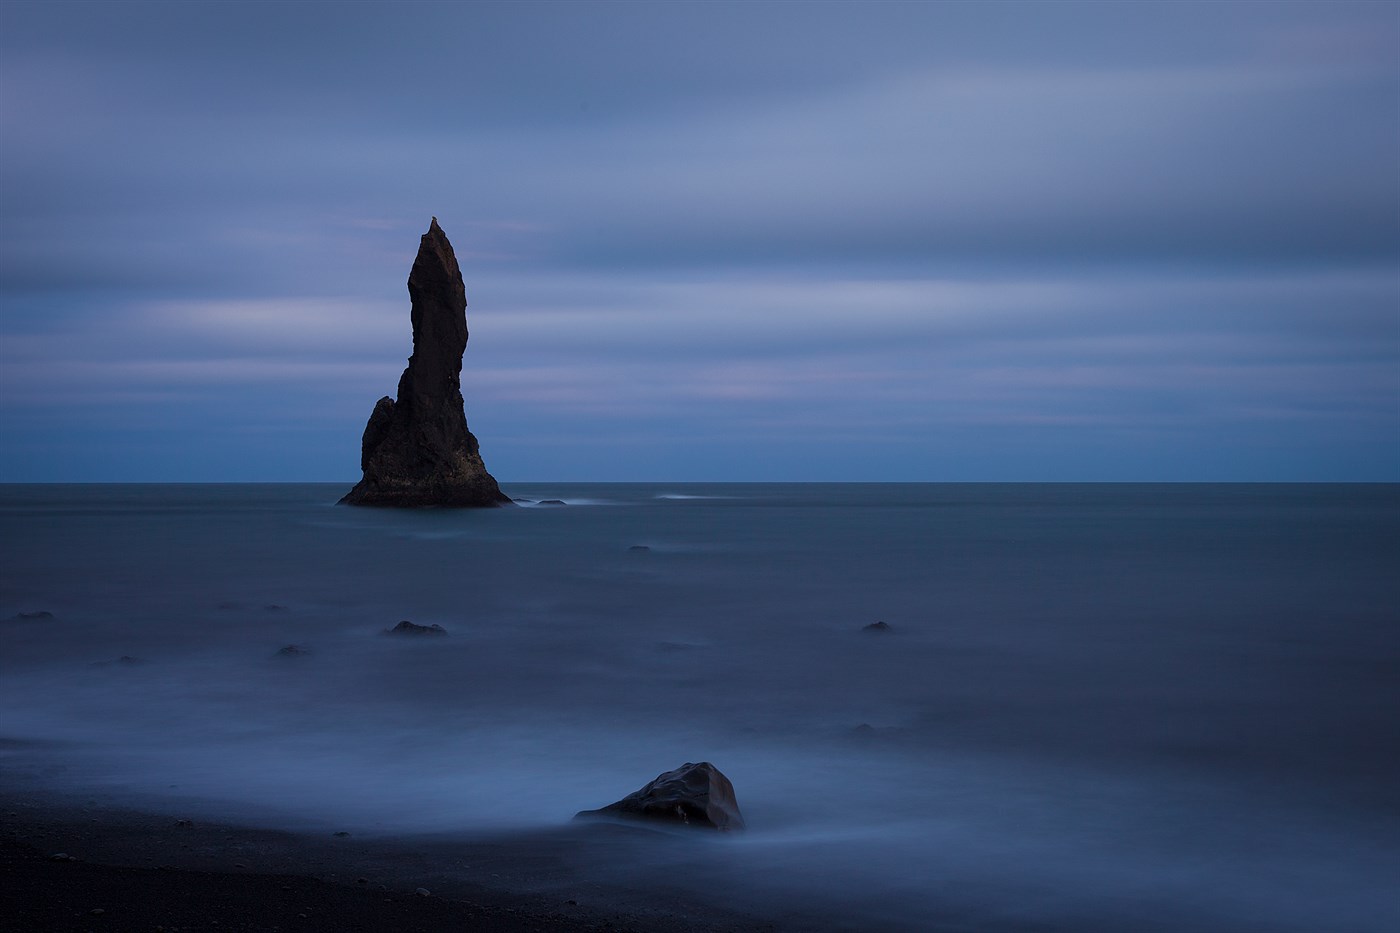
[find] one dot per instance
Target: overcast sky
(789, 241)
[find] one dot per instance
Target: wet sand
(132, 871)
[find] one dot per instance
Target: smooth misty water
(1145, 707)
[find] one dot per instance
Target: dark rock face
(417, 450)
(692, 795)
(125, 660)
(410, 628)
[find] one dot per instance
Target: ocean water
(1147, 707)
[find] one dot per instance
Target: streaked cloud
(951, 239)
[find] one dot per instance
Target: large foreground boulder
(695, 794)
(416, 450)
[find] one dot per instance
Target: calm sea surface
(1119, 706)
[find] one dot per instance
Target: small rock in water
(292, 651)
(552, 502)
(342, 834)
(639, 547)
(273, 607)
(864, 733)
(39, 616)
(184, 822)
(408, 628)
(878, 628)
(695, 794)
(423, 892)
(125, 660)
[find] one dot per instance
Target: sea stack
(417, 450)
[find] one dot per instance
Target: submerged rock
(416, 450)
(695, 794)
(639, 547)
(671, 647)
(292, 651)
(878, 628)
(408, 628)
(43, 615)
(866, 733)
(552, 502)
(125, 660)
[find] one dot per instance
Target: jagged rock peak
(416, 449)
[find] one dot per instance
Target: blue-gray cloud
(1156, 239)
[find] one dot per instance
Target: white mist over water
(1099, 706)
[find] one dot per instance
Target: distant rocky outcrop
(125, 660)
(416, 450)
(695, 794)
(412, 628)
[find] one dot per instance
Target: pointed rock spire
(417, 450)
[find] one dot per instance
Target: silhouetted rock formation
(417, 450)
(692, 795)
(125, 660)
(409, 628)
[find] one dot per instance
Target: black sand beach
(70, 867)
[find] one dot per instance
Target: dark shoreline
(146, 871)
